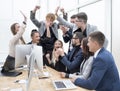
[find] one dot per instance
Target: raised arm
(67, 33)
(25, 18)
(63, 21)
(65, 15)
(70, 65)
(32, 16)
(35, 9)
(21, 30)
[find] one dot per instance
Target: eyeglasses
(74, 38)
(79, 21)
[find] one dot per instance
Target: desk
(7, 83)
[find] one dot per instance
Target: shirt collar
(34, 43)
(96, 53)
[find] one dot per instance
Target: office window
(96, 14)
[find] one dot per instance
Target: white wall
(116, 31)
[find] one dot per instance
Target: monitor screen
(20, 54)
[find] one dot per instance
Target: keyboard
(68, 84)
(60, 84)
(63, 84)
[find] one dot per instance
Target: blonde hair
(50, 16)
(54, 59)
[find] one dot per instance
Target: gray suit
(89, 28)
(41, 25)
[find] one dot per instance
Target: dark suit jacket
(104, 75)
(68, 36)
(73, 63)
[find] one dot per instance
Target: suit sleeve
(98, 70)
(75, 63)
(68, 36)
(34, 20)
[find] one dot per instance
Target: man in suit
(73, 59)
(104, 74)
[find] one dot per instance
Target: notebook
(63, 84)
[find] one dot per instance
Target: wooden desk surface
(7, 83)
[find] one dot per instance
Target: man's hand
(56, 11)
(36, 8)
(47, 56)
(48, 24)
(60, 52)
(62, 74)
(73, 79)
(62, 10)
(63, 28)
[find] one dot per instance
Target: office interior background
(102, 13)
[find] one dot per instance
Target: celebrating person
(17, 31)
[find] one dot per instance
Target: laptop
(63, 84)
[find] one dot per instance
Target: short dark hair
(73, 16)
(82, 15)
(79, 35)
(33, 32)
(98, 36)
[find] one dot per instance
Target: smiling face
(79, 22)
(58, 44)
(75, 40)
(15, 28)
(92, 45)
(49, 22)
(96, 41)
(36, 38)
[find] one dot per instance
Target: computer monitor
(36, 58)
(35, 61)
(33, 52)
(20, 55)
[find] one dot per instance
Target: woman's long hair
(86, 51)
(14, 32)
(54, 49)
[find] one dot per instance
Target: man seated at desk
(104, 74)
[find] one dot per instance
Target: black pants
(9, 64)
